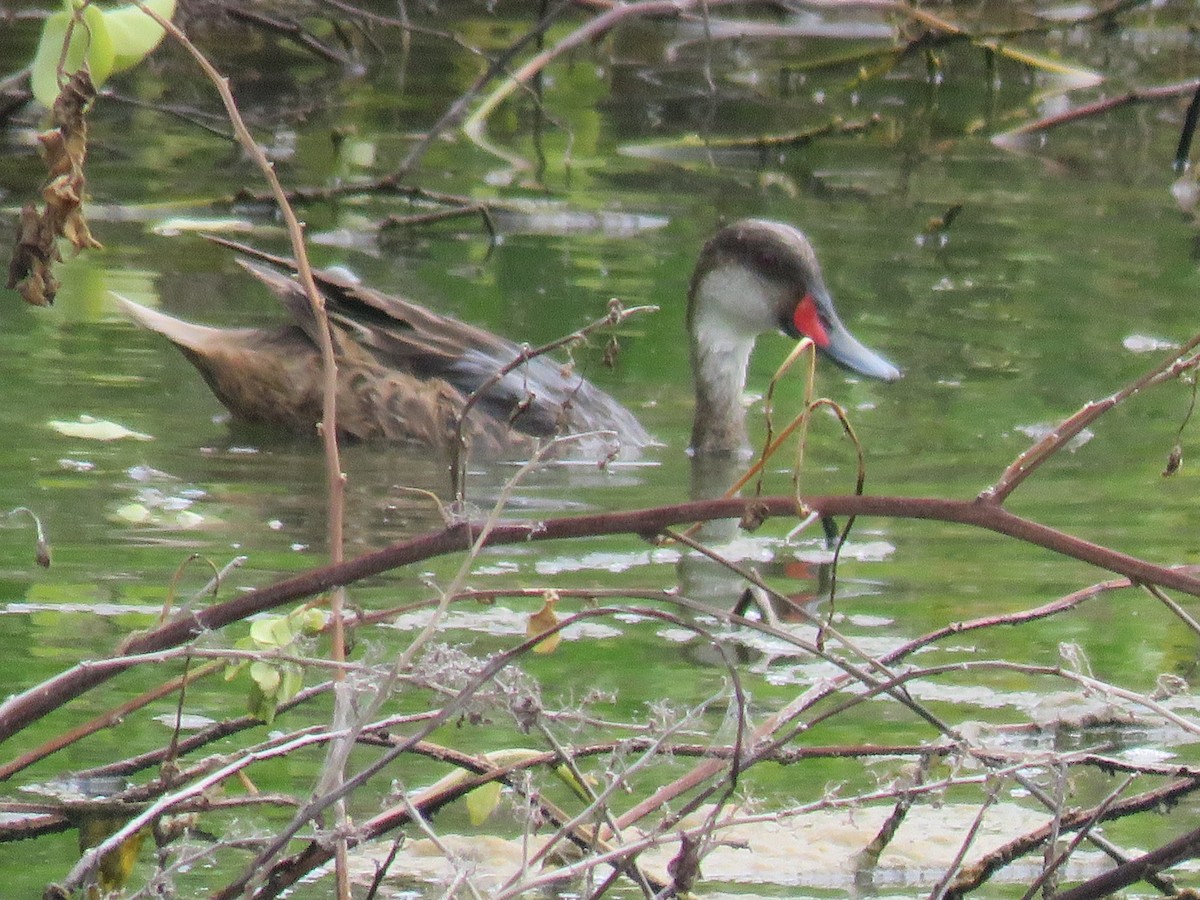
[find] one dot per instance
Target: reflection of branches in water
(509, 69)
(922, 32)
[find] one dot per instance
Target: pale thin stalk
(475, 125)
(335, 479)
(1080, 836)
(1182, 614)
(339, 753)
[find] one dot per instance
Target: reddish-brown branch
(19, 711)
(1140, 869)
(106, 719)
(335, 480)
(1099, 107)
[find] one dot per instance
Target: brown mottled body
(404, 374)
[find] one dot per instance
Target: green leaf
(313, 621)
(262, 632)
(90, 40)
(273, 633)
(567, 777)
(482, 802)
(111, 41)
(135, 34)
(283, 631)
(291, 680)
(266, 677)
(260, 705)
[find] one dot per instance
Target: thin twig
(335, 480)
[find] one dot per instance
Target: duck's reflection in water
(797, 585)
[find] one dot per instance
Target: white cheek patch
(739, 298)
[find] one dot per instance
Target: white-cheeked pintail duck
(405, 373)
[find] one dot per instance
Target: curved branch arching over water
(21, 710)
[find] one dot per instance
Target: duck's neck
(720, 352)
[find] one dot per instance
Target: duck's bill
(814, 317)
(847, 351)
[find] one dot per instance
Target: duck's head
(755, 276)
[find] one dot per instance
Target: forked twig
(1024, 465)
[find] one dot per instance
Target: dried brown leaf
(64, 150)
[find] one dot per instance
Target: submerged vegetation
(560, 786)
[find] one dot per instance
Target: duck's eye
(768, 262)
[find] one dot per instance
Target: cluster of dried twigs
(613, 841)
(690, 812)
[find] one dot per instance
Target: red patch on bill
(808, 321)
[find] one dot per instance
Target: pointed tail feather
(184, 334)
